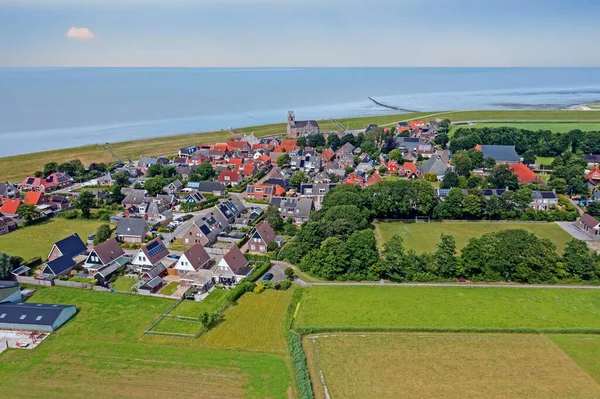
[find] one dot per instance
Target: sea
(51, 108)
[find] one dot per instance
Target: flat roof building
(34, 316)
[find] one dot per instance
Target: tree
(558, 184)
(446, 256)
(333, 141)
(273, 217)
(392, 259)
(361, 249)
(289, 273)
(502, 177)
(84, 203)
(50, 168)
(476, 158)
(396, 154)
(473, 204)
(529, 157)
(102, 234)
(298, 178)
(489, 163)
(579, 261)
(5, 266)
(155, 185)
(205, 172)
(450, 180)
(452, 206)
(441, 140)
(301, 141)
(116, 196)
(463, 163)
(121, 179)
(283, 160)
(316, 140)
(594, 208)
(475, 181)
(27, 212)
(155, 170)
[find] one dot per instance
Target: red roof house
(374, 178)
(594, 174)
(525, 174)
(10, 206)
(35, 198)
(353, 178)
(392, 166)
(409, 170)
(229, 177)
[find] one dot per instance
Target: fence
(73, 284)
(216, 251)
(33, 281)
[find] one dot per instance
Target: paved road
(574, 230)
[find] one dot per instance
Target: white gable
(184, 264)
(141, 259)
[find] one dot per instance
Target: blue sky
(300, 33)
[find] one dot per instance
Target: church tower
(291, 119)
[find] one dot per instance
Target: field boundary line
(467, 285)
(308, 330)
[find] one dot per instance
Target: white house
(193, 259)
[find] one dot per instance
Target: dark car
(268, 276)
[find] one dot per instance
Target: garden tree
(462, 182)
(464, 142)
(341, 221)
(361, 249)
(273, 217)
(450, 180)
(529, 157)
(38, 173)
(474, 203)
(382, 170)
(205, 172)
(349, 138)
(594, 208)
(289, 273)
(298, 178)
(444, 126)
(441, 140)
(558, 184)
(85, 202)
(399, 198)
(121, 179)
(155, 185)
(315, 140)
(333, 141)
(283, 160)
(430, 177)
(50, 168)
(579, 261)
(489, 163)
(510, 255)
(370, 147)
(290, 229)
(389, 145)
(392, 259)
(27, 212)
(344, 194)
(155, 170)
(523, 197)
(508, 204)
(102, 234)
(502, 177)
(463, 164)
(301, 142)
(116, 196)
(445, 257)
(72, 168)
(5, 266)
(475, 181)
(476, 158)
(571, 168)
(396, 154)
(452, 206)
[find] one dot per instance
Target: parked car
(268, 276)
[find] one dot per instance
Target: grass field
(444, 365)
(450, 307)
(99, 354)
(37, 240)
(584, 349)
(124, 283)
(170, 288)
(17, 167)
(559, 127)
(211, 303)
(423, 237)
(172, 325)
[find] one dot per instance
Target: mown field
(37, 240)
(99, 354)
(17, 167)
(561, 127)
(423, 237)
(444, 365)
(440, 308)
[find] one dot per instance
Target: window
(262, 248)
(253, 247)
(23, 317)
(3, 315)
(38, 318)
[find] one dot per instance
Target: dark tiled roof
(132, 227)
(59, 265)
(197, 256)
(71, 245)
(108, 251)
(589, 220)
(501, 153)
(32, 313)
(235, 260)
(155, 250)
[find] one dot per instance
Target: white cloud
(80, 33)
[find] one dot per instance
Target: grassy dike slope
(18, 166)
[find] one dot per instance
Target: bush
(35, 261)
(259, 288)
(299, 360)
(72, 214)
(289, 273)
(285, 284)
(238, 291)
(259, 271)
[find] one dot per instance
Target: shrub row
(299, 359)
(518, 330)
(259, 271)
(239, 290)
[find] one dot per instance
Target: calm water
(50, 108)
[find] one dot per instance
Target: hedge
(519, 330)
(239, 290)
(259, 271)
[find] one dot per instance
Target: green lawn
(559, 127)
(450, 307)
(77, 279)
(124, 283)
(584, 349)
(423, 237)
(172, 325)
(100, 349)
(37, 240)
(211, 303)
(170, 288)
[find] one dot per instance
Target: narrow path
(338, 123)
(115, 156)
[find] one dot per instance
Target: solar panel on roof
(205, 230)
(156, 248)
(548, 194)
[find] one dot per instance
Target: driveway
(574, 230)
(278, 270)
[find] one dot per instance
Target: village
(192, 234)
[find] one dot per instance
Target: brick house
(264, 191)
(260, 238)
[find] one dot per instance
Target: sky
(302, 33)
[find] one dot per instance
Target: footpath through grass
(100, 349)
(456, 308)
(37, 240)
(423, 237)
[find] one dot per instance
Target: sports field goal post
(422, 219)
